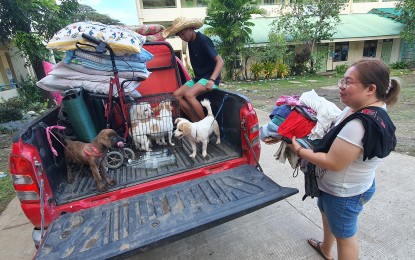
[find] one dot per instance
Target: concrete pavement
(278, 231)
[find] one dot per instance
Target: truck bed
(128, 175)
(84, 185)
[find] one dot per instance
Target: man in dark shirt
(206, 63)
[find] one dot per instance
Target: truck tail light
(24, 181)
(254, 134)
(250, 131)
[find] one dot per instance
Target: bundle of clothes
(307, 117)
(93, 71)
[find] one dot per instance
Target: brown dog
(93, 154)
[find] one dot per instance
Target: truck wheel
(114, 159)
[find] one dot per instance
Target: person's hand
(271, 140)
(209, 85)
(294, 144)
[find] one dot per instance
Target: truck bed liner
(85, 186)
(144, 221)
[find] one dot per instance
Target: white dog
(141, 130)
(140, 111)
(165, 123)
(198, 131)
(141, 125)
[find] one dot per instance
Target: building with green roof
(356, 36)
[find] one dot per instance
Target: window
(364, 1)
(194, 3)
(270, 2)
(369, 49)
(148, 4)
(341, 51)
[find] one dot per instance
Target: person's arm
(340, 155)
(218, 67)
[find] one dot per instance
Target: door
(159, 217)
(322, 55)
(386, 50)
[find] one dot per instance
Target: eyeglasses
(346, 83)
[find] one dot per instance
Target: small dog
(140, 132)
(140, 116)
(140, 111)
(164, 122)
(198, 131)
(93, 154)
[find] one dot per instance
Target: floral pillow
(121, 40)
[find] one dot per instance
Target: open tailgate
(148, 220)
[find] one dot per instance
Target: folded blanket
(99, 63)
(54, 83)
(142, 57)
(79, 68)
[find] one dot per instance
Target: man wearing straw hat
(206, 63)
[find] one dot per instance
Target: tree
(310, 22)
(87, 13)
(407, 17)
(34, 25)
(29, 24)
(229, 20)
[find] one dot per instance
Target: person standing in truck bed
(206, 63)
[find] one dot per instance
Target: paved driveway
(278, 231)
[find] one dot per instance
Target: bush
(256, 69)
(283, 70)
(29, 92)
(399, 65)
(341, 69)
(268, 69)
(299, 67)
(15, 102)
(8, 114)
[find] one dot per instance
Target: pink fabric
(48, 132)
(289, 100)
(47, 67)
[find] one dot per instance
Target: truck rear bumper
(148, 220)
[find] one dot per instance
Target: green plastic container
(83, 123)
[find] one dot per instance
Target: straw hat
(181, 23)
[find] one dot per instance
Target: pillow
(149, 29)
(121, 40)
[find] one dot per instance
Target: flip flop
(317, 247)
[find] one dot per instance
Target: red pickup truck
(147, 207)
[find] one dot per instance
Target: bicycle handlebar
(101, 46)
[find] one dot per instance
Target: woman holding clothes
(348, 155)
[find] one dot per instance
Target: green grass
(7, 192)
(287, 84)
